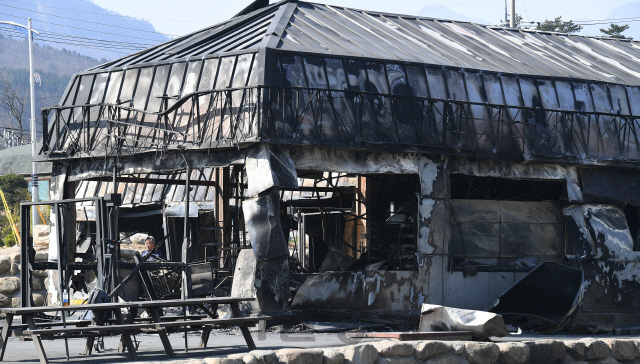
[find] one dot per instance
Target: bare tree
(13, 104)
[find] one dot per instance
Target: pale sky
(190, 15)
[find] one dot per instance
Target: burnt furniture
(159, 324)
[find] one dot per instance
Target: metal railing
(351, 119)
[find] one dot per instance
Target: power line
(91, 30)
(89, 41)
(86, 21)
(101, 14)
(2, 32)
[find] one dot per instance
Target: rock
(575, 348)
(624, 350)
(38, 299)
(223, 361)
(15, 257)
(36, 283)
(513, 353)
(595, 349)
(447, 359)
(393, 348)
(250, 359)
(396, 360)
(428, 349)
(570, 360)
(41, 230)
(5, 264)
(4, 300)
(481, 353)
(607, 360)
(546, 351)
(41, 256)
(360, 354)
(264, 356)
(40, 273)
(15, 268)
(15, 302)
(332, 356)
(300, 356)
(9, 284)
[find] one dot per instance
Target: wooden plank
(155, 313)
(6, 333)
(100, 329)
(125, 336)
(432, 335)
(237, 314)
(119, 305)
(36, 340)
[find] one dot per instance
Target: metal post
(186, 251)
(186, 242)
(34, 166)
(512, 21)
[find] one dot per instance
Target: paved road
(151, 350)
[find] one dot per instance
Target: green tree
(615, 31)
(15, 190)
(559, 25)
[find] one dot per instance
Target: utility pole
(512, 21)
(34, 167)
(506, 13)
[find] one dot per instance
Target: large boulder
(300, 356)
(9, 284)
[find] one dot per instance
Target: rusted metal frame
(123, 128)
(635, 125)
(216, 130)
(244, 92)
(495, 137)
(619, 139)
(75, 139)
(146, 105)
(578, 133)
(412, 119)
(298, 119)
(341, 125)
(352, 92)
(97, 128)
(376, 129)
(469, 111)
(552, 131)
(336, 115)
(202, 127)
(101, 107)
(599, 141)
(234, 119)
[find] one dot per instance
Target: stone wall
(10, 280)
(589, 350)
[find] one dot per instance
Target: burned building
(370, 161)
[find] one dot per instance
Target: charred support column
(186, 242)
(433, 224)
(265, 273)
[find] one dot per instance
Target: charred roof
(304, 27)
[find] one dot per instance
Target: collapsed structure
(372, 161)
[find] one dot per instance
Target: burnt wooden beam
(158, 181)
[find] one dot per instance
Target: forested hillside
(55, 66)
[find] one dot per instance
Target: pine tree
(615, 31)
(560, 26)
